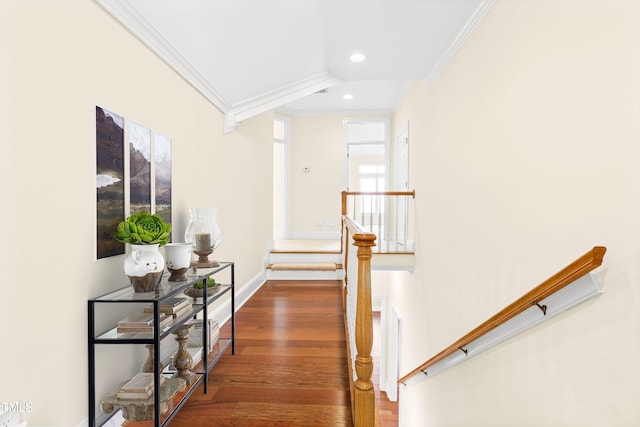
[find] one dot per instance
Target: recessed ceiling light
(357, 57)
(347, 96)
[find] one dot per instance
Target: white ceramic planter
(144, 265)
(178, 260)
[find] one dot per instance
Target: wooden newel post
(364, 411)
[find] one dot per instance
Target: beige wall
(59, 60)
(524, 155)
(316, 143)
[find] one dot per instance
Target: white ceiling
(251, 56)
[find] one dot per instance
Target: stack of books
(174, 307)
(141, 323)
(138, 387)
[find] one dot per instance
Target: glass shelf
(163, 290)
(113, 335)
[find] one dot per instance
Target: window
(371, 177)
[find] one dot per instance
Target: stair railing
(356, 295)
(387, 214)
(570, 286)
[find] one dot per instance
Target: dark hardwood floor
(290, 366)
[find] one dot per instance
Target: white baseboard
(115, 421)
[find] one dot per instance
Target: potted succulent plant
(145, 233)
(197, 290)
(143, 228)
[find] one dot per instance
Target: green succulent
(211, 282)
(143, 229)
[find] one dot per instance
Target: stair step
(307, 266)
(300, 258)
(307, 246)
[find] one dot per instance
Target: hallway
(290, 366)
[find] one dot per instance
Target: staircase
(305, 260)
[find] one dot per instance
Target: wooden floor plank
(290, 366)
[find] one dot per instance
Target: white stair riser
(304, 275)
(289, 258)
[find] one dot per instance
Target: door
(280, 173)
(402, 184)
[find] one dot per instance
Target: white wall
(524, 155)
(59, 60)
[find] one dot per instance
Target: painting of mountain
(139, 168)
(109, 181)
(162, 155)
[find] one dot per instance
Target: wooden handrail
(564, 277)
(357, 229)
(362, 393)
(383, 231)
(411, 193)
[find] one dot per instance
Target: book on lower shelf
(173, 306)
(137, 320)
(182, 311)
(142, 323)
(141, 386)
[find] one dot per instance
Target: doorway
(401, 180)
(280, 177)
(366, 146)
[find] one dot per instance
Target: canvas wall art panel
(109, 181)
(139, 168)
(162, 156)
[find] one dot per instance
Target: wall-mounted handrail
(555, 283)
(359, 321)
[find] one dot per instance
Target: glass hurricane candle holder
(203, 233)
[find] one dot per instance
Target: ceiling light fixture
(347, 96)
(357, 57)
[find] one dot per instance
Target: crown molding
(276, 98)
(130, 17)
(337, 112)
(461, 38)
(134, 21)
